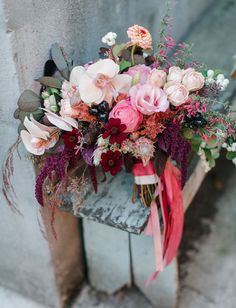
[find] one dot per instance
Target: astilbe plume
(56, 163)
(177, 148)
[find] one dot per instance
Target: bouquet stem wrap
(168, 191)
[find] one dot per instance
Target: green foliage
(51, 82)
(60, 60)
(117, 49)
(124, 65)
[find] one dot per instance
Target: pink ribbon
(171, 204)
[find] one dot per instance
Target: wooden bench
(117, 254)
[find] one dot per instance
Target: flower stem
(132, 54)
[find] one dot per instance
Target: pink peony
(148, 99)
(140, 73)
(176, 92)
(129, 116)
(193, 80)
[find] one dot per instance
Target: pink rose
(157, 78)
(129, 116)
(176, 92)
(193, 80)
(139, 73)
(148, 99)
(175, 74)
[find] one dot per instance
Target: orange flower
(140, 36)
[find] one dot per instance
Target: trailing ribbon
(169, 191)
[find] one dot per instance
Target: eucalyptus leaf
(124, 65)
(51, 82)
(37, 114)
(117, 49)
(60, 61)
(16, 113)
(28, 101)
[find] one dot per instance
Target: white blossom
(210, 74)
(109, 38)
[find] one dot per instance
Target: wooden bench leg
(163, 293)
(108, 256)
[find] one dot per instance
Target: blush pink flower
(175, 74)
(193, 80)
(157, 78)
(100, 81)
(176, 92)
(129, 116)
(140, 36)
(144, 149)
(38, 138)
(148, 99)
(69, 110)
(139, 73)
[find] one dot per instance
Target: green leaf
(51, 82)
(60, 61)
(37, 114)
(124, 65)
(28, 101)
(231, 155)
(117, 49)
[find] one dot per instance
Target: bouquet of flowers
(132, 109)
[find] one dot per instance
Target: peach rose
(148, 99)
(157, 78)
(175, 74)
(129, 116)
(176, 93)
(140, 36)
(193, 80)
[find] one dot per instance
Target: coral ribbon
(174, 198)
(171, 204)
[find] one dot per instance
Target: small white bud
(220, 77)
(210, 73)
(225, 82)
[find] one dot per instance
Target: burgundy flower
(111, 161)
(115, 130)
(70, 139)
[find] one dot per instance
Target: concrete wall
(27, 29)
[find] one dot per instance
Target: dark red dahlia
(111, 161)
(70, 139)
(115, 130)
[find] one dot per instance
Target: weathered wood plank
(112, 205)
